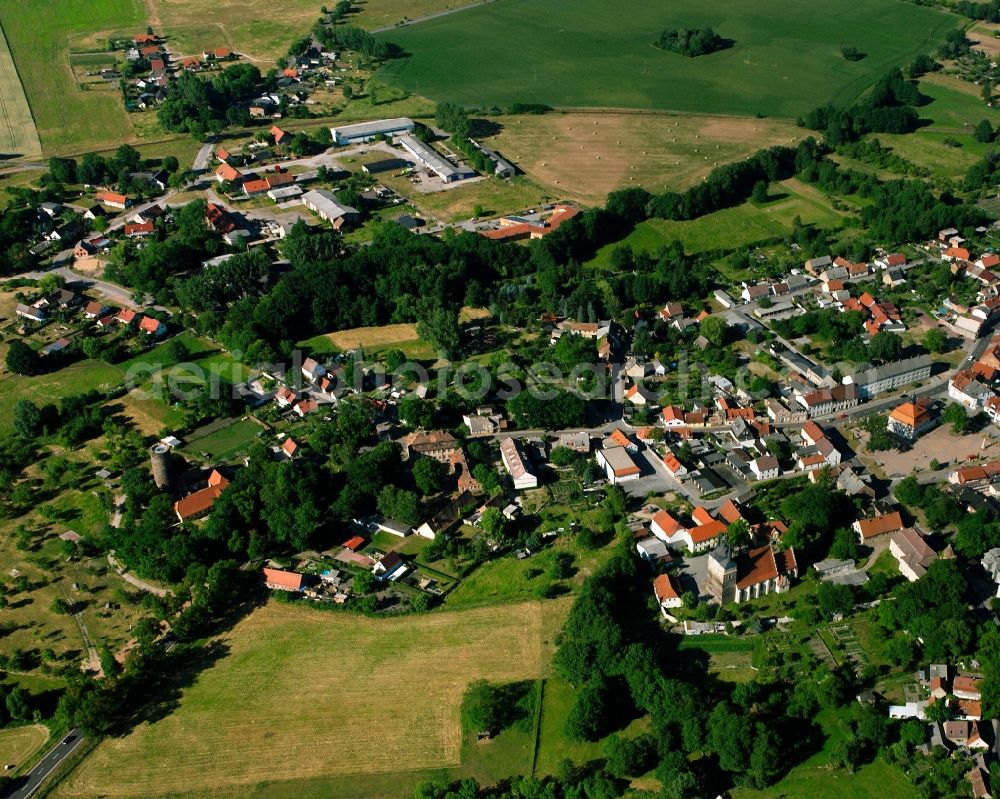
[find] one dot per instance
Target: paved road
(27, 785)
(203, 157)
(111, 291)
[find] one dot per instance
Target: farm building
(385, 165)
(434, 161)
(366, 131)
(324, 203)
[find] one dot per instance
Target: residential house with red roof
(152, 326)
(281, 580)
(878, 528)
(666, 593)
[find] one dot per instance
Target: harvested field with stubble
(583, 156)
(303, 694)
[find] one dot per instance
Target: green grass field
(226, 441)
(785, 59)
(731, 227)
(954, 109)
(302, 695)
(77, 378)
(19, 743)
(67, 118)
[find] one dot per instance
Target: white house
(666, 593)
(312, 370)
(516, 466)
(765, 467)
(618, 465)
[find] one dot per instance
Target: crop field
(784, 60)
(17, 128)
(584, 156)
(67, 118)
(301, 694)
(20, 743)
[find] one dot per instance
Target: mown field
(17, 129)
(731, 227)
(301, 695)
(20, 743)
(67, 118)
(583, 156)
(785, 57)
(953, 109)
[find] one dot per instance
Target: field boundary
(537, 723)
(14, 117)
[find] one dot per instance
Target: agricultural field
(68, 119)
(584, 156)
(17, 129)
(357, 697)
(784, 60)
(20, 743)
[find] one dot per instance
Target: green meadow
(784, 60)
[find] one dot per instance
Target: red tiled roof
(201, 501)
(880, 525)
(663, 588)
(706, 532)
(139, 228)
(354, 544)
(283, 578)
(149, 324)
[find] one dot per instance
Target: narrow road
(142, 585)
(203, 157)
(111, 291)
(27, 785)
(93, 659)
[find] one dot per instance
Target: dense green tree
(21, 359)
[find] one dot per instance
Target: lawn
(68, 119)
(17, 129)
(584, 156)
(303, 695)
(492, 196)
(785, 58)
(19, 743)
(226, 441)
